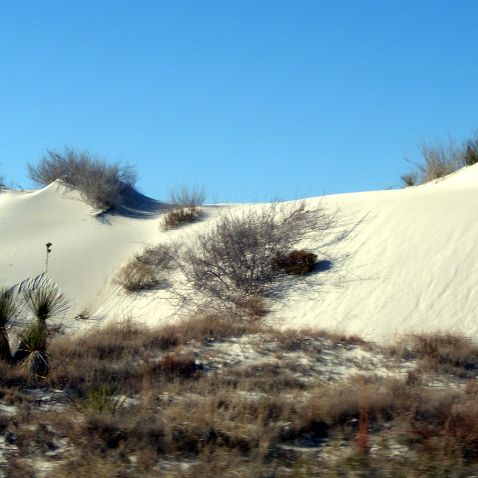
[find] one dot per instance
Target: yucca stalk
(31, 352)
(8, 309)
(45, 302)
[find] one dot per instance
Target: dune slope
(407, 261)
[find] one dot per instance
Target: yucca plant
(8, 309)
(45, 302)
(31, 352)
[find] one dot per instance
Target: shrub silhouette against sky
(440, 159)
(103, 185)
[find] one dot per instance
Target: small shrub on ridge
(148, 269)
(187, 207)
(104, 186)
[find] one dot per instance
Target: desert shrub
(235, 262)
(103, 185)
(176, 366)
(296, 262)
(409, 179)
(186, 207)
(148, 269)
(441, 159)
(31, 352)
(471, 153)
(444, 353)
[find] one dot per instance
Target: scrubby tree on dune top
(103, 185)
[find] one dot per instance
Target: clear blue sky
(254, 100)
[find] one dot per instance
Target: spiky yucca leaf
(5, 353)
(8, 309)
(32, 339)
(8, 306)
(36, 365)
(45, 301)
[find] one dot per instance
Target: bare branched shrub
(235, 262)
(440, 159)
(186, 207)
(102, 185)
(149, 269)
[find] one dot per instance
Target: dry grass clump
(442, 353)
(235, 263)
(149, 269)
(104, 186)
(186, 207)
(441, 159)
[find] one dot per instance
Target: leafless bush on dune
(235, 263)
(103, 185)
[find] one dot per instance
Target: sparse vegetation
(239, 260)
(32, 351)
(186, 207)
(135, 402)
(441, 159)
(148, 269)
(43, 302)
(103, 185)
(443, 353)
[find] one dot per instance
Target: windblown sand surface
(406, 261)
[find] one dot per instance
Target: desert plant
(440, 159)
(187, 197)
(104, 186)
(409, 179)
(296, 262)
(441, 352)
(8, 309)
(235, 261)
(148, 269)
(471, 153)
(186, 207)
(31, 352)
(102, 399)
(45, 301)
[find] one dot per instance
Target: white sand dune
(408, 264)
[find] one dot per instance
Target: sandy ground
(407, 261)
